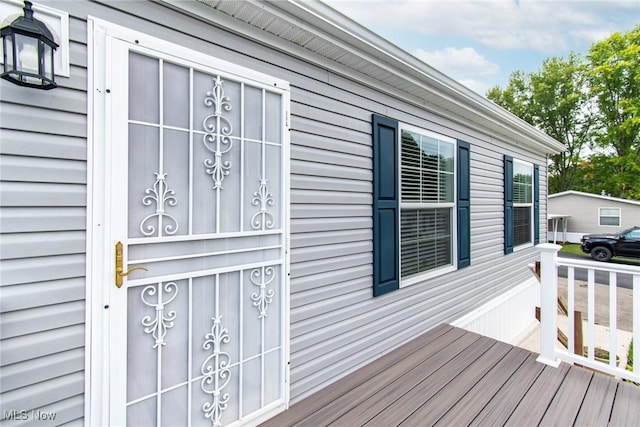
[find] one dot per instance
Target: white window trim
(422, 276)
(600, 224)
(521, 205)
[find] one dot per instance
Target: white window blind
(523, 203)
(609, 216)
(428, 195)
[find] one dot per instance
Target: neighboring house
(591, 213)
(303, 195)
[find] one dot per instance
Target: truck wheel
(601, 253)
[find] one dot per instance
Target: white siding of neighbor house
(583, 211)
(336, 324)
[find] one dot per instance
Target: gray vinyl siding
(43, 198)
(336, 324)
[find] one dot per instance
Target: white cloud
(549, 27)
(591, 35)
(523, 39)
(459, 63)
(465, 65)
(476, 86)
(516, 34)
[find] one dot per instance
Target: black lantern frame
(28, 52)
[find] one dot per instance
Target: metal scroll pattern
(217, 134)
(216, 372)
(163, 197)
(262, 219)
(161, 323)
(262, 277)
(218, 141)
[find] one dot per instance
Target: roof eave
(348, 31)
(594, 196)
(431, 89)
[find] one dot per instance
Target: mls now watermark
(24, 415)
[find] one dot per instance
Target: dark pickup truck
(604, 246)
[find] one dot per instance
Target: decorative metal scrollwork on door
(263, 198)
(262, 277)
(160, 324)
(163, 197)
(218, 131)
(216, 372)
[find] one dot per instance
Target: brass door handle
(120, 273)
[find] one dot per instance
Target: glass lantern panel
(27, 54)
(8, 54)
(48, 61)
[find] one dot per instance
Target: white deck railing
(551, 352)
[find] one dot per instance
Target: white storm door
(198, 198)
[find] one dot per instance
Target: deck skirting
(508, 317)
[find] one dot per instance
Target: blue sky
(481, 42)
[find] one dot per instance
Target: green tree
(562, 109)
(614, 81)
(515, 97)
(615, 175)
(555, 100)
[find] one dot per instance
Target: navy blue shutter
(386, 206)
(463, 204)
(508, 204)
(536, 204)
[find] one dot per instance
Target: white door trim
(100, 254)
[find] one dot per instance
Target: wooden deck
(452, 377)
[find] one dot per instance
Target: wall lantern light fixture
(28, 51)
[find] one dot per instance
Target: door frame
(100, 254)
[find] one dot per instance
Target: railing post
(548, 304)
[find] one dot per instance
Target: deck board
(566, 404)
(502, 405)
(329, 394)
(440, 403)
(449, 376)
(379, 402)
(371, 387)
(537, 399)
(395, 413)
(598, 402)
(626, 406)
(477, 397)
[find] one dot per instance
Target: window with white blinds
(428, 201)
(522, 203)
(609, 217)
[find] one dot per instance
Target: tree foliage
(515, 97)
(554, 99)
(586, 103)
(614, 82)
